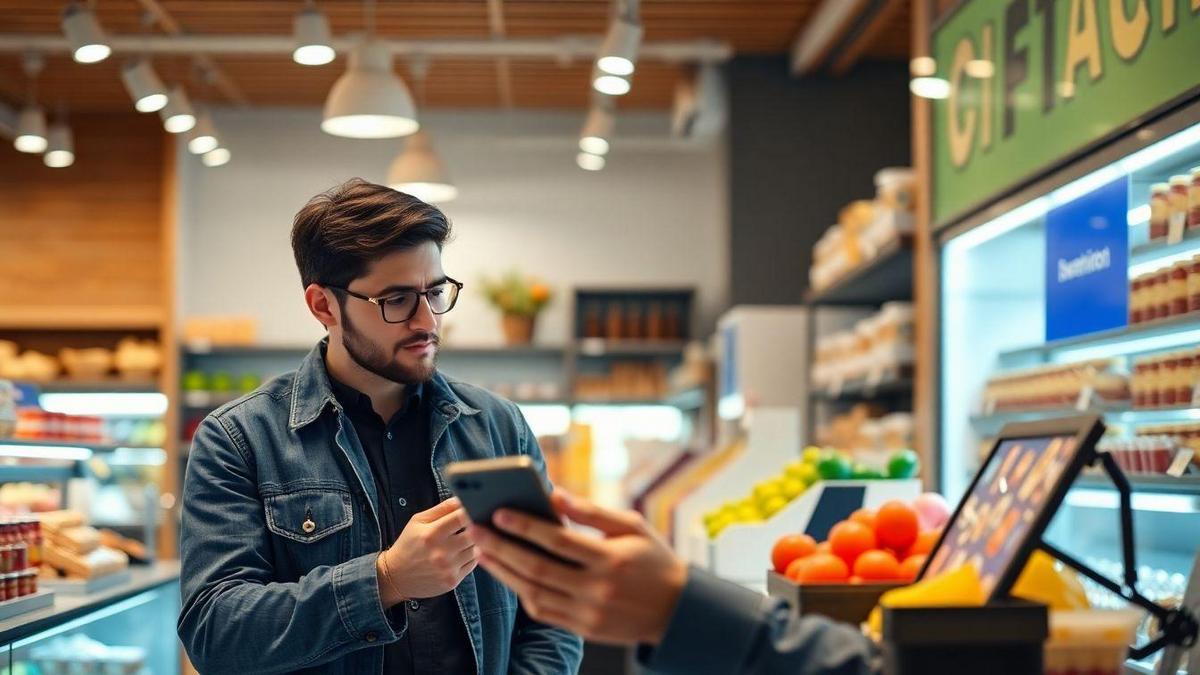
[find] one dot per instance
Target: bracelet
(387, 576)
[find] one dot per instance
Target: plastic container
(1095, 642)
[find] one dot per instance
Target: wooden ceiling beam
(880, 22)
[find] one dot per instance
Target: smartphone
(485, 486)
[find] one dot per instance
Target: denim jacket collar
(311, 392)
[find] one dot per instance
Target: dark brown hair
(341, 231)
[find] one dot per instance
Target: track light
(369, 100)
(31, 130)
(419, 171)
(596, 131)
(618, 52)
(147, 91)
(89, 44)
(177, 115)
(313, 37)
(589, 162)
(203, 138)
(61, 147)
(216, 157)
(612, 85)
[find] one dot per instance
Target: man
(629, 588)
(317, 533)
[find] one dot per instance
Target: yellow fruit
(714, 528)
(773, 505)
(958, 588)
(792, 488)
(811, 455)
(766, 490)
(747, 514)
(809, 475)
(1047, 581)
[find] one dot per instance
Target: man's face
(401, 352)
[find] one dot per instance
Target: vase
(518, 329)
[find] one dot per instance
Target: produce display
(1056, 386)
(773, 494)
(879, 346)
(884, 546)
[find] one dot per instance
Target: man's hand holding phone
(430, 557)
(621, 588)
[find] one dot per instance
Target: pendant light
(618, 52)
(60, 151)
(369, 100)
(313, 37)
(216, 157)
(418, 170)
(589, 162)
(89, 44)
(610, 85)
(144, 87)
(178, 115)
(597, 129)
(203, 137)
(31, 123)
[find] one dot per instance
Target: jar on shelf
(1179, 287)
(1184, 382)
(1154, 384)
(1170, 375)
(1178, 200)
(1160, 210)
(1162, 284)
(1135, 297)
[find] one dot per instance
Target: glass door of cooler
(997, 364)
(135, 636)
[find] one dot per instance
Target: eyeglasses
(403, 305)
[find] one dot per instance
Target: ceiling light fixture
(618, 52)
(31, 123)
(60, 151)
(369, 100)
(178, 115)
(419, 171)
(216, 157)
(313, 37)
(589, 162)
(144, 87)
(597, 129)
(89, 44)
(203, 137)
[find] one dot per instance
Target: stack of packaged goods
(864, 228)
(1154, 448)
(1058, 386)
(1165, 380)
(1167, 292)
(1175, 206)
(20, 557)
(879, 346)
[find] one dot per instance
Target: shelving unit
(886, 277)
(101, 385)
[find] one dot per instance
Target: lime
(834, 467)
(903, 464)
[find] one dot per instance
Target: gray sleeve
(720, 628)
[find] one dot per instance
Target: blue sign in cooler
(1087, 263)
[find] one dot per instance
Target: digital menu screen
(1012, 490)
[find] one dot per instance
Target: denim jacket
(264, 593)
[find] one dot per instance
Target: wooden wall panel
(89, 235)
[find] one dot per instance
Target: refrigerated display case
(1030, 332)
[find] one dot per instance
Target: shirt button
(414, 605)
(389, 435)
(372, 636)
(403, 501)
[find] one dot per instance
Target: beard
(372, 357)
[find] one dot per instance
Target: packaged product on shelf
(137, 359)
(1160, 210)
(1165, 380)
(1059, 386)
(1194, 200)
(1194, 285)
(74, 550)
(1178, 200)
(879, 346)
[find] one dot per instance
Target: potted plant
(519, 299)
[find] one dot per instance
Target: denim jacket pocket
(309, 515)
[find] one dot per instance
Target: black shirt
(400, 457)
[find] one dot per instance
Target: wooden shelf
(886, 277)
(89, 317)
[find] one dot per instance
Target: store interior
(773, 274)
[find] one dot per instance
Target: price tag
(1181, 463)
(1085, 398)
(1177, 226)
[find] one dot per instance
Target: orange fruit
(911, 567)
(864, 516)
(877, 565)
(849, 540)
(824, 547)
(856, 581)
(896, 526)
(791, 547)
(821, 568)
(925, 542)
(793, 570)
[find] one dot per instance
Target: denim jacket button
(372, 636)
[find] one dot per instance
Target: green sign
(1034, 80)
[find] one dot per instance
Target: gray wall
(800, 149)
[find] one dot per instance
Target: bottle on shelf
(614, 324)
(1194, 200)
(1178, 200)
(1160, 210)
